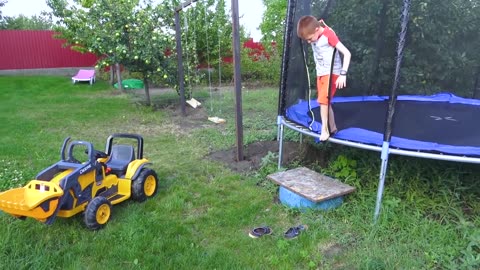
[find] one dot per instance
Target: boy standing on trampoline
(324, 42)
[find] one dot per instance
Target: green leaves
(273, 23)
(22, 22)
(117, 30)
(441, 52)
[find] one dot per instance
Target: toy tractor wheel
(97, 213)
(145, 185)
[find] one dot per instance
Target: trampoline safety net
(438, 77)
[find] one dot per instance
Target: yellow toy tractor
(70, 186)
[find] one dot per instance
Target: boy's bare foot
(324, 135)
(333, 132)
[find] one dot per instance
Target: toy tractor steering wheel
(67, 151)
(98, 154)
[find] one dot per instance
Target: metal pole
(391, 108)
(237, 79)
(280, 141)
(287, 37)
(381, 182)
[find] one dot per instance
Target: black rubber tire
(98, 213)
(145, 185)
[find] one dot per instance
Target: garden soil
(252, 153)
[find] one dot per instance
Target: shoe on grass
(259, 232)
(293, 232)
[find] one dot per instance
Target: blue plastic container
(294, 200)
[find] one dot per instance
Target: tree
(273, 21)
(206, 37)
(2, 4)
(21, 22)
(129, 32)
(148, 45)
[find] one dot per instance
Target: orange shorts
(322, 88)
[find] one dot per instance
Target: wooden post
(237, 78)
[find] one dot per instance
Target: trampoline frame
(385, 151)
(283, 122)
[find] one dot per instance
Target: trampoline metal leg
(278, 131)
(280, 146)
(381, 182)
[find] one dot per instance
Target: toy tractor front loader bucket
(38, 200)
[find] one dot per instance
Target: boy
(324, 41)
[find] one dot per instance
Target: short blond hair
(307, 25)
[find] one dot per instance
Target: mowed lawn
(203, 211)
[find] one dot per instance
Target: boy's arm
(342, 79)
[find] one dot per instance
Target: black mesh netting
(441, 52)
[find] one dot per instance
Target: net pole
(391, 107)
(287, 41)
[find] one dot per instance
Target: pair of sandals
(291, 233)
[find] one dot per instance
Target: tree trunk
(374, 82)
(119, 76)
(112, 74)
(147, 91)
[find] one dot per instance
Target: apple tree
(131, 33)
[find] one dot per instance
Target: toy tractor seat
(119, 159)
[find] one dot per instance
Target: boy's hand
(341, 81)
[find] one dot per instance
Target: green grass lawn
(203, 212)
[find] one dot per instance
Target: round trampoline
(441, 124)
(427, 123)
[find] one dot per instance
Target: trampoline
(434, 124)
(443, 126)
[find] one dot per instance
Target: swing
(192, 101)
(214, 119)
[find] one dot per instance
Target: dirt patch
(194, 118)
(253, 154)
(305, 153)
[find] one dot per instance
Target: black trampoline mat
(445, 123)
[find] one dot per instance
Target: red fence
(31, 49)
(38, 49)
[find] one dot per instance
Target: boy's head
(308, 28)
